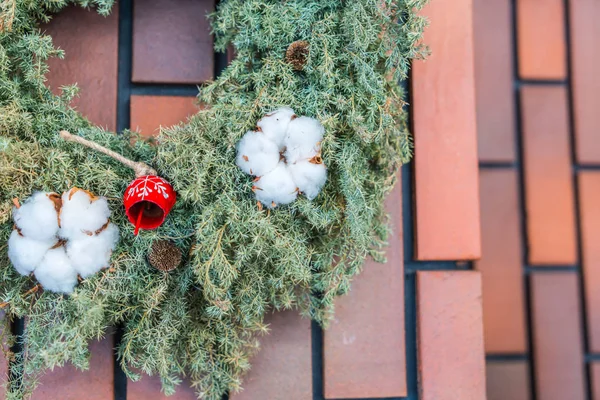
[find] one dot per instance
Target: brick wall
(505, 115)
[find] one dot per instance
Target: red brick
(508, 380)
(364, 348)
(585, 60)
(282, 369)
(595, 378)
(557, 343)
(541, 39)
(443, 88)
(149, 113)
(589, 198)
(450, 335)
(493, 80)
(149, 387)
(69, 383)
(172, 41)
(90, 42)
(548, 182)
(500, 263)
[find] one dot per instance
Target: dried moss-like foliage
(243, 262)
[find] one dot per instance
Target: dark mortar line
(498, 165)
(123, 120)
(585, 345)
(519, 154)
(125, 63)
(15, 367)
(540, 82)
(161, 89)
(317, 360)
(504, 358)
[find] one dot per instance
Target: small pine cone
(297, 53)
(164, 255)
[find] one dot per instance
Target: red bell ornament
(148, 200)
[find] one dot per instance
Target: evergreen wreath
(202, 319)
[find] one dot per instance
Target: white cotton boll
(310, 178)
(26, 254)
(80, 214)
(276, 188)
(274, 124)
(303, 140)
(37, 218)
(89, 254)
(56, 273)
(257, 155)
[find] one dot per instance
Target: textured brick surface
(172, 41)
(589, 198)
(500, 264)
(508, 381)
(443, 89)
(364, 349)
(90, 43)
(493, 79)
(595, 380)
(450, 336)
(585, 59)
(69, 383)
(548, 181)
(149, 113)
(149, 388)
(557, 336)
(282, 370)
(541, 39)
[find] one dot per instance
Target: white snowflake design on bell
(148, 185)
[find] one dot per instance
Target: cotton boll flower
(303, 140)
(37, 218)
(275, 188)
(56, 273)
(89, 254)
(82, 214)
(256, 154)
(309, 177)
(26, 254)
(274, 125)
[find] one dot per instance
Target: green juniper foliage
(202, 320)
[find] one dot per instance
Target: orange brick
(450, 335)
(172, 41)
(595, 377)
(90, 42)
(589, 198)
(443, 88)
(500, 264)
(149, 113)
(557, 346)
(364, 348)
(541, 39)
(548, 182)
(282, 370)
(149, 387)
(585, 60)
(69, 383)
(507, 380)
(493, 80)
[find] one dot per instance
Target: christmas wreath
(191, 294)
